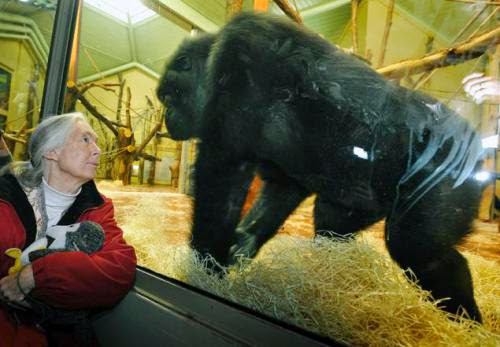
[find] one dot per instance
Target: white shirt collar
(55, 198)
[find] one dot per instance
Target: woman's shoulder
(10, 188)
(8, 180)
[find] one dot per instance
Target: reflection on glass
(418, 165)
(25, 34)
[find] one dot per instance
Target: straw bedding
(348, 290)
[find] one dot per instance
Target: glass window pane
(382, 129)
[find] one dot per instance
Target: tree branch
(470, 49)
(13, 138)
(387, 29)
(289, 10)
(92, 109)
(354, 25)
(120, 97)
(148, 156)
(151, 134)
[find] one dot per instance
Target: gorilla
(266, 95)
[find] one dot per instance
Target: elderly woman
(56, 187)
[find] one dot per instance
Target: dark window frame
(59, 57)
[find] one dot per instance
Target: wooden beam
(470, 49)
(289, 10)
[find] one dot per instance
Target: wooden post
(120, 97)
(184, 170)
(152, 166)
(140, 175)
(387, 29)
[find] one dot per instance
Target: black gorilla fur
(265, 94)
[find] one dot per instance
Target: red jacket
(70, 280)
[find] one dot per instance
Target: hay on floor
(349, 291)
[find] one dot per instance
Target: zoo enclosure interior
(114, 78)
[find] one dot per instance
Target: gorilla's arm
(221, 184)
(277, 200)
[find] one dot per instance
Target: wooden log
(289, 10)
(387, 29)
(128, 122)
(354, 25)
(140, 174)
(470, 49)
(120, 97)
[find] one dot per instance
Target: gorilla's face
(182, 87)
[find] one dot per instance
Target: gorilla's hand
(246, 245)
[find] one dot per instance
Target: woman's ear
(53, 154)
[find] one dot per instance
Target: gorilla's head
(182, 87)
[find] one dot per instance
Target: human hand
(481, 88)
(15, 289)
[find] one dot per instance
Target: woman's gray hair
(50, 134)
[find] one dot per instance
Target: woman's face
(77, 160)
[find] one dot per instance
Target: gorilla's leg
(276, 201)
(331, 219)
(220, 189)
(423, 240)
